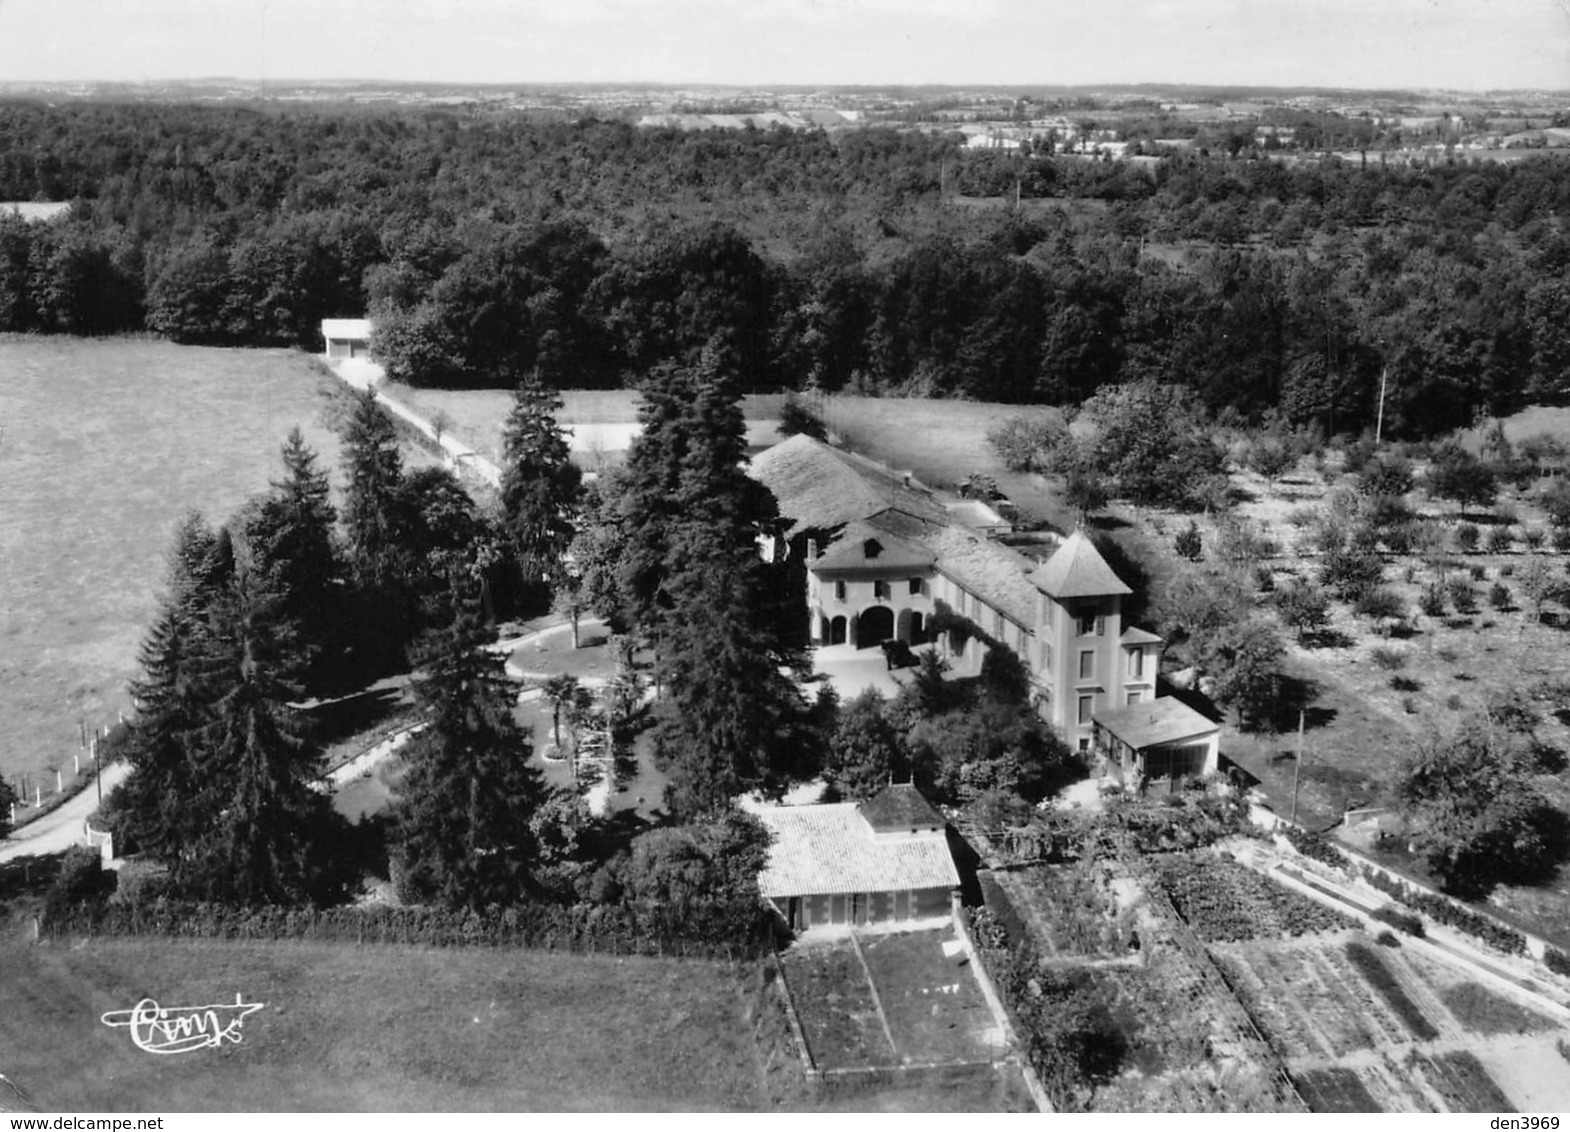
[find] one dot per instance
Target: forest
(880, 261)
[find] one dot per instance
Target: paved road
(60, 829)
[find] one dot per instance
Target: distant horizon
(764, 86)
(1459, 46)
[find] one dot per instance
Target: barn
(885, 860)
(347, 337)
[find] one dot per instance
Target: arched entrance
(874, 626)
(836, 631)
(912, 627)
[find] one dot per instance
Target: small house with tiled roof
(884, 860)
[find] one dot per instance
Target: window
(1046, 655)
(1087, 704)
(1136, 664)
(1087, 664)
(975, 607)
(1092, 625)
(915, 585)
(880, 589)
(1101, 626)
(997, 625)
(839, 591)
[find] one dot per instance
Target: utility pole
(1379, 424)
(1297, 766)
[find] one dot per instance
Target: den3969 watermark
(182, 1029)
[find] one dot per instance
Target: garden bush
(1405, 684)
(1406, 921)
(1499, 596)
(1557, 961)
(1462, 596)
(1388, 659)
(1479, 573)
(1314, 847)
(1561, 539)
(1466, 537)
(1432, 600)
(1533, 537)
(1499, 540)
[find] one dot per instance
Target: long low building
(885, 559)
(885, 860)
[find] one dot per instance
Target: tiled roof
(831, 849)
(820, 487)
(1133, 636)
(900, 807)
(1165, 719)
(863, 546)
(1078, 570)
(992, 571)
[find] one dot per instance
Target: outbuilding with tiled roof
(883, 860)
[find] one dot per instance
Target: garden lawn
(377, 1028)
(106, 443)
(932, 1001)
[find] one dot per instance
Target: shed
(880, 861)
(347, 337)
(1163, 740)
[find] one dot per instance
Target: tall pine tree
(270, 837)
(290, 537)
(154, 810)
(373, 496)
(694, 579)
(539, 485)
(463, 819)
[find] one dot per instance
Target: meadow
(104, 444)
(377, 1028)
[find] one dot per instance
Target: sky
(1451, 44)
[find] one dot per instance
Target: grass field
(105, 444)
(378, 1028)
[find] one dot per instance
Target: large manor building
(886, 560)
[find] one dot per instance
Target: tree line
(487, 246)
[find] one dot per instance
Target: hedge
(1314, 847)
(710, 930)
(1451, 914)
(1557, 961)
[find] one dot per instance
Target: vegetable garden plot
(933, 1004)
(1463, 1083)
(1305, 1006)
(1224, 901)
(1335, 1089)
(1379, 975)
(835, 1005)
(1071, 909)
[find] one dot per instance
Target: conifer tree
(270, 835)
(154, 809)
(371, 503)
(694, 579)
(539, 483)
(464, 830)
(290, 535)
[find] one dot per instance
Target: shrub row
(1447, 912)
(1314, 847)
(708, 930)
(1557, 961)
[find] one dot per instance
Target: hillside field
(104, 443)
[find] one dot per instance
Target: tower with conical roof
(1085, 660)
